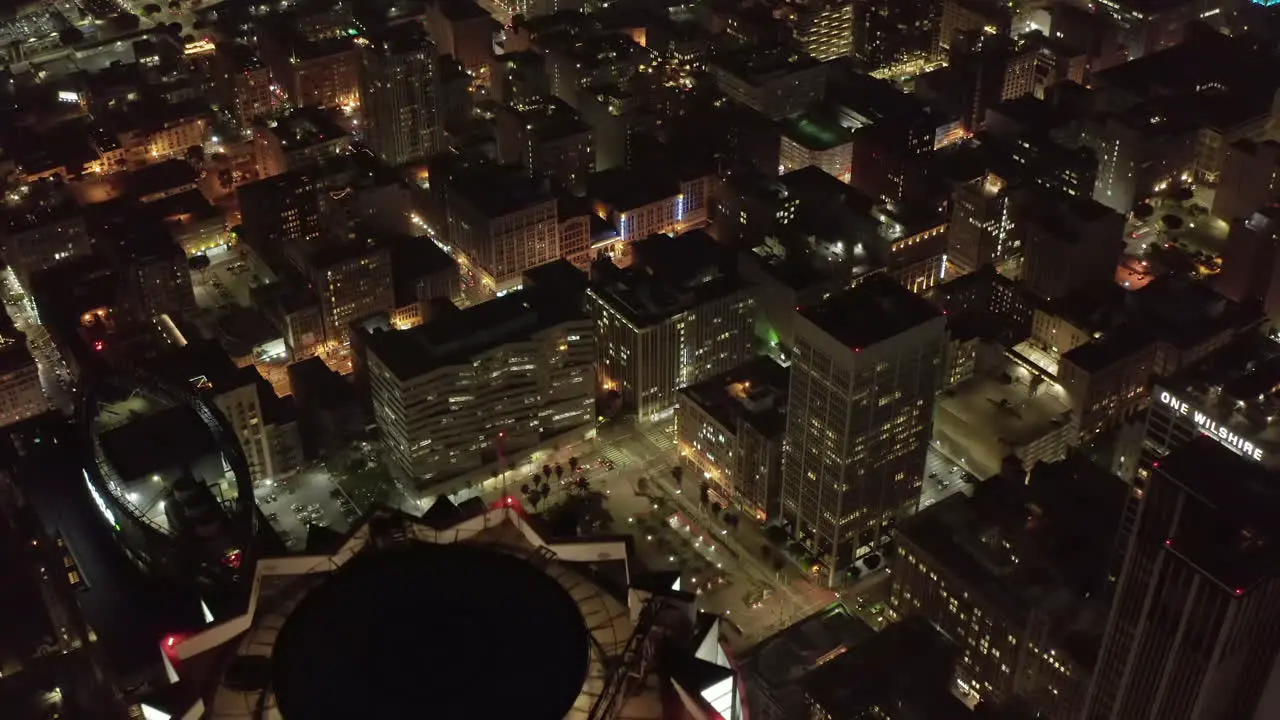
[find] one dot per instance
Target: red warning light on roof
(1168, 542)
(99, 346)
(1239, 591)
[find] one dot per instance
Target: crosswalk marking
(660, 439)
(616, 456)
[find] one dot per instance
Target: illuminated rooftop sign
(1212, 427)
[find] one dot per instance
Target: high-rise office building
(243, 83)
(894, 34)
(400, 95)
(981, 230)
(352, 278)
(1071, 244)
(1193, 632)
(549, 139)
(673, 318)
(281, 213)
(501, 223)
(859, 416)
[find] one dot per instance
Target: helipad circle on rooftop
(432, 631)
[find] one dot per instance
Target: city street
(55, 377)
(758, 599)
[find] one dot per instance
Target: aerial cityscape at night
(640, 360)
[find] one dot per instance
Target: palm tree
(546, 471)
(559, 471)
(573, 464)
(677, 474)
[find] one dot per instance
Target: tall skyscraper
(1193, 633)
(400, 95)
(859, 416)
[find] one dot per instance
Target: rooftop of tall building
(496, 190)
(550, 118)
(668, 275)
(37, 204)
(303, 127)
(451, 337)
(1230, 533)
(876, 309)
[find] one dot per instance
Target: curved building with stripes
(165, 469)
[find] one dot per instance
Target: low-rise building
(729, 429)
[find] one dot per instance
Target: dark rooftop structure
(754, 392)
(625, 189)
(1180, 313)
(454, 336)
(874, 310)
(759, 67)
(550, 119)
(161, 177)
(170, 437)
(816, 133)
(496, 191)
(1230, 533)
(668, 275)
(1032, 546)
(357, 645)
(37, 204)
(303, 127)
(907, 666)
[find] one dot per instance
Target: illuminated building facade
(244, 83)
(864, 375)
(822, 29)
(353, 280)
(729, 428)
(981, 228)
(459, 391)
(399, 96)
(808, 141)
(319, 73)
(671, 319)
(500, 223)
